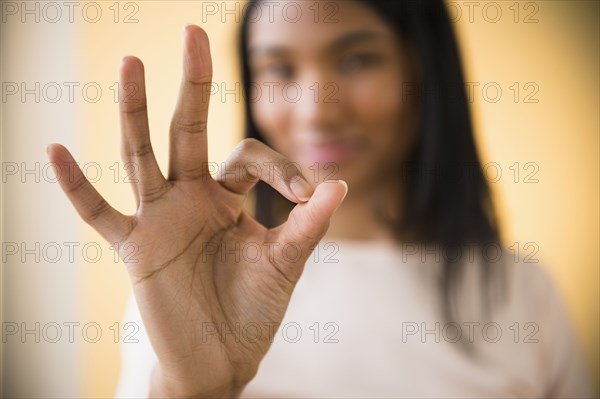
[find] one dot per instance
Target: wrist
(164, 387)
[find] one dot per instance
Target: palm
(211, 283)
(215, 286)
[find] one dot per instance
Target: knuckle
(195, 172)
(141, 151)
(244, 152)
(274, 166)
(77, 184)
(154, 193)
(202, 82)
(288, 169)
(189, 126)
(315, 225)
(133, 107)
(249, 144)
(95, 212)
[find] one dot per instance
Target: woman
(405, 291)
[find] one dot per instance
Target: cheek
(272, 120)
(380, 112)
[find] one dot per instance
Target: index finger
(188, 142)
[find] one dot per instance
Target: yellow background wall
(157, 40)
(559, 133)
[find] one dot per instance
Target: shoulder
(531, 287)
(535, 298)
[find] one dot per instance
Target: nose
(320, 107)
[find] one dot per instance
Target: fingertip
(128, 58)
(53, 150)
(313, 217)
(195, 37)
(301, 189)
(130, 64)
(329, 195)
(59, 154)
(197, 58)
(345, 185)
(193, 28)
(341, 185)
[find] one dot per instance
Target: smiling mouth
(335, 152)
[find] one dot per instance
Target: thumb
(307, 224)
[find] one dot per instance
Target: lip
(323, 153)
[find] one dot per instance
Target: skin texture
(190, 293)
(351, 120)
(200, 266)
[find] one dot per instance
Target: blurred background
(533, 72)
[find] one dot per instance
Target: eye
(358, 62)
(279, 70)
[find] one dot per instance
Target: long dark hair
(448, 201)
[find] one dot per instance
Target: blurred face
(328, 90)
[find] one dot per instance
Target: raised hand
(202, 268)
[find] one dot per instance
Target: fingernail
(345, 186)
(343, 183)
(301, 189)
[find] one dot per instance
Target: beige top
(364, 321)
